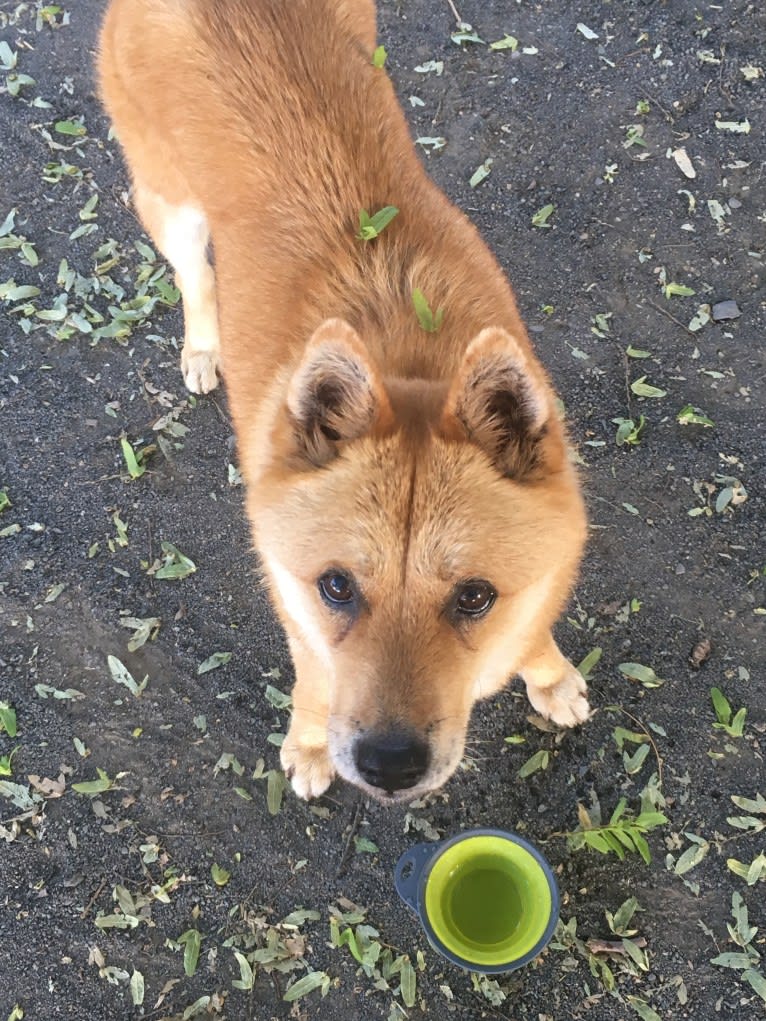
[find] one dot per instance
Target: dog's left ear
(336, 393)
(501, 401)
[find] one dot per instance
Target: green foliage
(371, 227)
(732, 723)
(629, 431)
(624, 833)
(429, 321)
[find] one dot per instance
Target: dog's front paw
(200, 369)
(307, 767)
(565, 702)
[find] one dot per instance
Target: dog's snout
(392, 760)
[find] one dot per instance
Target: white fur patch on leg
(565, 702)
(183, 241)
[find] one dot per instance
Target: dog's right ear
(336, 394)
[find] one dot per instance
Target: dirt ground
(642, 124)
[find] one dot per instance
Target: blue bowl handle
(409, 870)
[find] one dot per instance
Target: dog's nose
(393, 760)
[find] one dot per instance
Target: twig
(355, 820)
(452, 7)
(664, 312)
(94, 898)
(606, 946)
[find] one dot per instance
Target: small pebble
(724, 310)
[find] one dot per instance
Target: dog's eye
(474, 598)
(337, 589)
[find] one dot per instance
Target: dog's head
(421, 537)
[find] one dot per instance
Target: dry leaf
(683, 163)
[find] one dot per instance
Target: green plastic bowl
(487, 899)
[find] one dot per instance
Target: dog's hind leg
(181, 234)
(556, 689)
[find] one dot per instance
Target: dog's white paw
(200, 369)
(564, 703)
(307, 767)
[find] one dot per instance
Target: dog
(417, 516)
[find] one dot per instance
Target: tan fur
(412, 461)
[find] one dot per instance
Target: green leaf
(689, 415)
(176, 565)
(246, 978)
(623, 915)
(278, 698)
(586, 665)
(621, 735)
(481, 173)
(191, 941)
(275, 787)
(642, 847)
(428, 321)
(44, 690)
(363, 845)
(213, 662)
(721, 706)
(8, 719)
(634, 762)
(116, 921)
(672, 289)
(221, 876)
(408, 983)
(756, 981)
(541, 217)
(691, 857)
(135, 468)
(619, 811)
(4, 500)
(757, 804)
(121, 675)
(596, 841)
(379, 55)
(137, 988)
(642, 1008)
(508, 42)
(737, 961)
(75, 128)
(91, 787)
(540, 760)
(634, 352)
(638, 672)
(643, 389)
(650, 820)
(299, 917)
(313, 980)
(738, 723)
(371, 227)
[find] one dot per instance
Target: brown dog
(409, 489)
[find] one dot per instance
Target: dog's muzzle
(391, 760)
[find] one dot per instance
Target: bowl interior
(488, 900)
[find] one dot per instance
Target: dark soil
(552, 122)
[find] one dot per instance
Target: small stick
(607, 946)
(458, 19)
(92, 901)
(355, 820)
